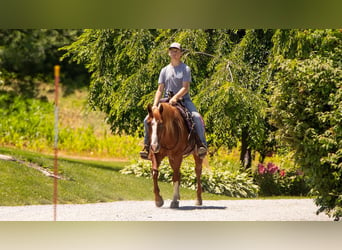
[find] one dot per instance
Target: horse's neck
(174, 124)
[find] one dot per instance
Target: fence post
(55, 171)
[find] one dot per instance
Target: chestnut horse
(170, 137)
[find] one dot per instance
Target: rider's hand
(173, 100)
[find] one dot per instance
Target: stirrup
(202, 151)
(145, 153)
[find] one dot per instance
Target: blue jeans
(197, 118)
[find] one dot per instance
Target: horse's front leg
(198, 170)
(157, 197)
(175, 164)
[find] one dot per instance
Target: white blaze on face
(154, 139)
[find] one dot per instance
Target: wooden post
(55, 171)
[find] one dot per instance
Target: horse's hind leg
(175, 164)
(198, 170)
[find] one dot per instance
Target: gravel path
(222, 210)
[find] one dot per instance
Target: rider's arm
(158, 95)
(180, 93)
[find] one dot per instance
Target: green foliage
(32, 51)
(217, 180)
(29, 124)
(85, 140)
(28, 56)
(27, 121)
(121, 75)
(306, 107)
(233, 99)
(125, 66)
(229, 109)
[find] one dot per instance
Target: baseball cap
(175, 45)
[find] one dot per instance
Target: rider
(176, 78)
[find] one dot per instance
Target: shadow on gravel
(201, 207)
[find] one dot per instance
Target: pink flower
(272, 168)
(261, 168)
(282, 172)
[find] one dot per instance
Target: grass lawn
(87, 182)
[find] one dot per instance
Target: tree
(121, 72)
(233, 99)
(29, 54)
(125, 66)
(307, 107)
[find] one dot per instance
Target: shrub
(275, 181)
(26, 121)
(216, 180)
(306, 86)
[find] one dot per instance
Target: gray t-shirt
(173, 78)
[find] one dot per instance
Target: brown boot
(145, 152)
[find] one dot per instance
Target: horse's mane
(172, 119)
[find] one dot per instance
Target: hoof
(174, 204)
(160, 203)
(198, 203)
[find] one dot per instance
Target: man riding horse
(176, 78)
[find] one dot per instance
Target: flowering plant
(273, 180)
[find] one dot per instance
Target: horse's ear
(161, 109)
(149, 109)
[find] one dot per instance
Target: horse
(170, 137)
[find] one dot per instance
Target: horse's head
(156, 122)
